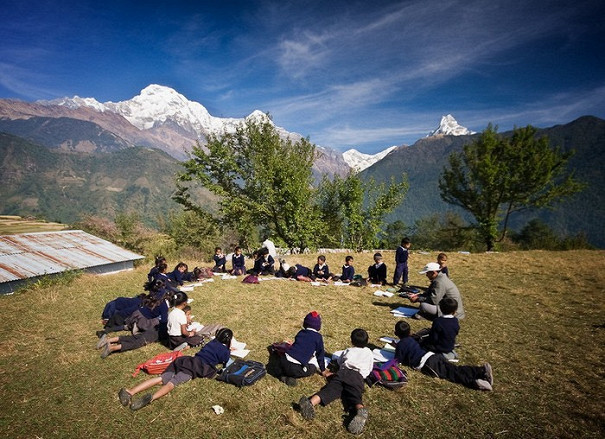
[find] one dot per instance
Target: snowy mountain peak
(360, 161)
(450, 127)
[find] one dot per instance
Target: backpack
(242, 373)
(157, 364)
(387, 375)
(250, 279)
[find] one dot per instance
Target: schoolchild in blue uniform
(401, 261)
(239, 262)
(155, 269)
(220, 261)
(308, 344)
(442, 261)
(441, 337)
(148, 323)
(377, 273)
(321, 271)
(180, 274)
(409, 353)
(348, 271)
(201, 365)
(264, 264)
(300, 273)
(162, 276)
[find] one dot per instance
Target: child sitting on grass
(308, 344)
(321, 271)
(348, 271)
(409, 353)
(377, 273)
(185, 368)
(441, 337)
(355, 364)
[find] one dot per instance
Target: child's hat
(312, 321)
(431, 266)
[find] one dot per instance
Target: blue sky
(345, 73)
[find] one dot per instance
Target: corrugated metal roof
(35, 254)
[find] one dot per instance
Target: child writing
(239, 262)
(308, 344)
(355, 364)
(409, 353)
(401, 262)
(300, 273)
(377, 273)
(220, 260)
(442, 261)
(185, 368)
(264, 264)
(348, 271)
(321, 271)
(178, 334)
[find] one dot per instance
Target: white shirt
(358, 359)
(268, 244)
(176, 318)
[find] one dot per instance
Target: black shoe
(142, 402)
(100, 333)
(125, 397)
(306, 408)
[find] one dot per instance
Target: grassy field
(537, 317)
(11, 224)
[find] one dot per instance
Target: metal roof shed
(26, 256)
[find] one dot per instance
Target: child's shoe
(483, 385)
(359, 421)
(102, 341)
(142, 402)
(125, 397)
(106, 351)
(306, 408)
(452, 357)
(489, 376)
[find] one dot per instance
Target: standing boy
(401, 262)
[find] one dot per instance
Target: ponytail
(178, 299)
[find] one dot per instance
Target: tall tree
(262, 179)
(355, 210)
(494, 177)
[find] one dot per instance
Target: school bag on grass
(157, 364)
(251, 279)
(387, 375)
(242, 373)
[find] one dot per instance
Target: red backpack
(157, 364)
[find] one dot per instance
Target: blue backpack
(242, 373)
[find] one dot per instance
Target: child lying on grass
(201, 365)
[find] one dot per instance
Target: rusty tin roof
(35, 254)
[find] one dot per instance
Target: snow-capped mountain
(450, 127)
(157, 105)
(160, 117)
(360, 161)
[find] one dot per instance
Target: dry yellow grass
(537, 317)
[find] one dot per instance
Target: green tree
(494, 177)
(262, 179)
(355, 210)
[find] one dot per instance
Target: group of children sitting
(148, 317)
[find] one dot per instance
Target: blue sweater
(347, 273)
(306, 343)
(321, 273)
(214, 353)
(239, 261)
(442, 337)
(301, 270)
(401, 255)
(409, 353)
